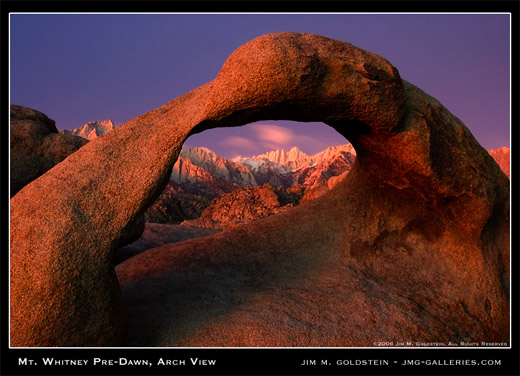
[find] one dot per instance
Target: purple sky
(77, 68)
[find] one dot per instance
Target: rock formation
(320, 173)
(36, 146)
(412, 244)
(242, 206)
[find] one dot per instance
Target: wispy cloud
(238, 143)
(260, 137)
(274, 136)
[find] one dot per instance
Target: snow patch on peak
(288, 161)
(92, 129)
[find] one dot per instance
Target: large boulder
(412, 244)
(36, 145)
(242, 206)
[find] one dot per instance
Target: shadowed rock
(412, 244)
(36, 146)
(175, 206)
(156, 234)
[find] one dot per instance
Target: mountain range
(200, 171)
(276, 167)
(207, 190)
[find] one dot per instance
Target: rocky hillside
(175, 206)
(196, 180)
(246, 205)
(220, 167)
(330, 163)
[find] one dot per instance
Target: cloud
(238, 142)
(274, 136)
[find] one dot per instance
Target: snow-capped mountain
(198, 181)
(91, 130)
(292, 160)
(295, 167)
(200, 171)
(218, 166)
(332, 151)
(280, 160)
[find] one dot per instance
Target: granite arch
(426, 195)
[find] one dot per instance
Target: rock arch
(415, 240)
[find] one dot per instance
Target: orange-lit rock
(502, 157)
(242, 206)
(413, 244)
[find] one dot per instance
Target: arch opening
(226, 177)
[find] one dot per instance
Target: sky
(77, 68)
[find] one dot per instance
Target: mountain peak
(287, 161)
(222, 168)
(201, 149)
(100, 127)
(294, 157)
(92, 129)
(199, 153)
(503, 157)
